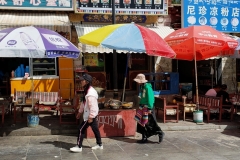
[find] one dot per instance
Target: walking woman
(89, 108)
(145, 116)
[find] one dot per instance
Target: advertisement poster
(223, 15)
(123, 7)
(65, 5)
(91, 59)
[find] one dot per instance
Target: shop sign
(123, 7)
(223, 15)
(90, 59)
(37, 4)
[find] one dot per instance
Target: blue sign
(37, 4)
(223, 15)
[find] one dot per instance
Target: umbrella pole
(125, 77)
(195, 64)
(31, 77)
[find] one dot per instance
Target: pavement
(184, 140)
(214, 144)
(49, 125)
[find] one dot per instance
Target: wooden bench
(161, 104)
(47, 100)
(210, 105)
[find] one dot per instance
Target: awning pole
(115, 71)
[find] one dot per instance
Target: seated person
(223, 92)
(213, 92)
(226, 101)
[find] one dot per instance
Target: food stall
(49, 75)
(45, 77)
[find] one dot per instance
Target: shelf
(35, 70)
(44, 66)
(80, 71)
(204, 67)
(160, 81)
(43, 63)
(205, 76)
(79, 90)
(138, 59)
(205, 85)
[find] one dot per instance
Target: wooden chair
(5, 103)
(69, 110)
(161, 104)
(187, 107)
(236, 103)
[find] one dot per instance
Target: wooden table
(22, 106)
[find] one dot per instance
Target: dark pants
(82, 130)
(151, 128)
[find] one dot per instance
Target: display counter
(47, 83)
(115, 123)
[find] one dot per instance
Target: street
(177, 145)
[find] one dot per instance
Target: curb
(73, 131)
(199, 127)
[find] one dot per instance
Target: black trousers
(82, 130)
(151, 128)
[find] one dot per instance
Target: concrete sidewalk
(49, 125)
(176, 145)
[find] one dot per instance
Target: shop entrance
(121, 64)
(138, 63)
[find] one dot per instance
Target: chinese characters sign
(37, 4)
(123, 7)
(223, 15)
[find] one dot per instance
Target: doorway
(121, 68)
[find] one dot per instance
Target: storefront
(224, 19)
(49, 74)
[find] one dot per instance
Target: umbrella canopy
(205, 41)
(129, 37)
(35, 42)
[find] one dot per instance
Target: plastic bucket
(198, 116)
(32, 120)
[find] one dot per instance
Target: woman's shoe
(161, 136)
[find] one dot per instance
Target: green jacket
(147, 95)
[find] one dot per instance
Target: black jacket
(225, 97)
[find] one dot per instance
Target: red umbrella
(205, 41)
(199, 43)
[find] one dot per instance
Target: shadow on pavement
(61, 144)
(48, 125)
